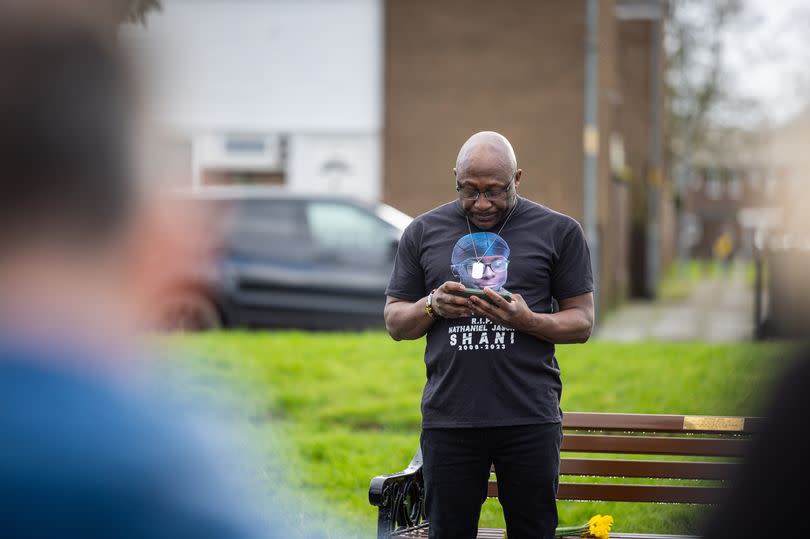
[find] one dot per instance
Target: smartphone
(469, 292)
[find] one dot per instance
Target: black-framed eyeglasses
(468, 193)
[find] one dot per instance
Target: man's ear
(518, 174)
(455, 175)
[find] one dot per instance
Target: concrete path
(719, 309)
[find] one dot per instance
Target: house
(268, 91)
(374, 97)
(456, 67)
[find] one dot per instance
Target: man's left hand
(513, 314)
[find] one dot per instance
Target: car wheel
(188, 310)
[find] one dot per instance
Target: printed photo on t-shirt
(478, 260)
(481, 259)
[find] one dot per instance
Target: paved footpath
(719, 309)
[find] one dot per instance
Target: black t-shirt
(480, 374)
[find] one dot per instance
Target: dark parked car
(288, 260)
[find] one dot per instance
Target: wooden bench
(400, 496)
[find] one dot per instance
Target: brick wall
(456, 67)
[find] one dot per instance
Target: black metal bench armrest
(400, 498)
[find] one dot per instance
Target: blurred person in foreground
(493, 381)
(82, 257)
(768, 493)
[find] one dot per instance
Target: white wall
(310, 157)
(307, 69)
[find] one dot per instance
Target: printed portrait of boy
(481, 259)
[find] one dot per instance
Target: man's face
(496, 196)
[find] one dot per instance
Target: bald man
(493, 382)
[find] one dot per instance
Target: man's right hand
(448, 305)
(408, 319)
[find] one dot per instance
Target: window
(272, 229)
(696, 180)
(244, 145)
(349, 229)
(755, 180)
(735, 187)
(714, 187)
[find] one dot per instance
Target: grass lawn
(327, 411)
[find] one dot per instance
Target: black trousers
(456, 471)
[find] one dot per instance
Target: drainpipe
(590, 139)
(654, 177)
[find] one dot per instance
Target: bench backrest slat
(653, 445)
(660, 423)
(639, 493)
(631, 493)
(646, 468)
(652, 469)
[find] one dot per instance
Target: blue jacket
(82, 459)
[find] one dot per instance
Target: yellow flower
(599, 526)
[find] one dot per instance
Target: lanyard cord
(469, 228)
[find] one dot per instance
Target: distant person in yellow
(723, 249)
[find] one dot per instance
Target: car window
(334, 225)
(274, 229)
